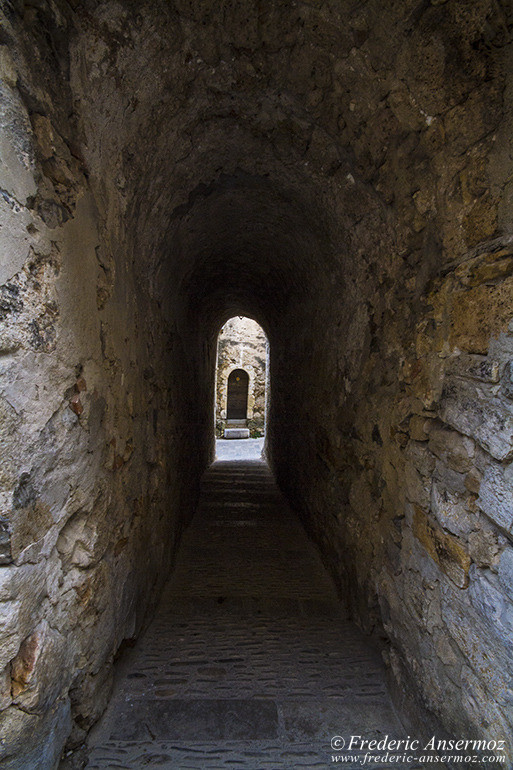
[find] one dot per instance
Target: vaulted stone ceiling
(341, 171)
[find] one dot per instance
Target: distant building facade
(242, 360)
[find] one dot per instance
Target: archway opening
(242, 370)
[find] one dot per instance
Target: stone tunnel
(342, 173)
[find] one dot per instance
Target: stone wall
(93, 496)
(242, 344)
(342, 174)
(415, 457)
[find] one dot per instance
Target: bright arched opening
(241, 380)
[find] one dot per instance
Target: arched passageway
(340, 172)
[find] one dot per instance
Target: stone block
(236, 433)
(22, 591)
(417, 452)
(17, 175)
(457, 450)
(483, 547)
(23, 665)
(44, 652)
(495, 495)
(30, 522)
(473, 367)
(417, 428)
(415, 557)
(491, 721)
(480, 313)
(302, 723)
(450, 480)
(492, 603)
(445, 651)
(5, 543)
(34, 740)
(473, 481)
(481, 647)
(472, 409)
(417, 489)
(5, 687)
(507, 380)
(77, 540)
(488, 268)
(198, 720)
(91, 695)
(451, 511)
(506, 571)
(446, 550)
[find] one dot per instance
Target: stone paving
(239, 449)
(249, 662)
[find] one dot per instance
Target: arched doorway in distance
(237, 402)
(241, 345)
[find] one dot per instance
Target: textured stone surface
(495, 495)
(506, 570)
(200, 720)
(444, 549)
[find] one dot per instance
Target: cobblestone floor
(249, 662)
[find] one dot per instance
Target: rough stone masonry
(342, 173)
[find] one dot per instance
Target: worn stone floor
(249, 662)
(239, 449)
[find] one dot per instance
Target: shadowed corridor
(249, 661)
(340, 174)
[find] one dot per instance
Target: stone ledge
(236, 433)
